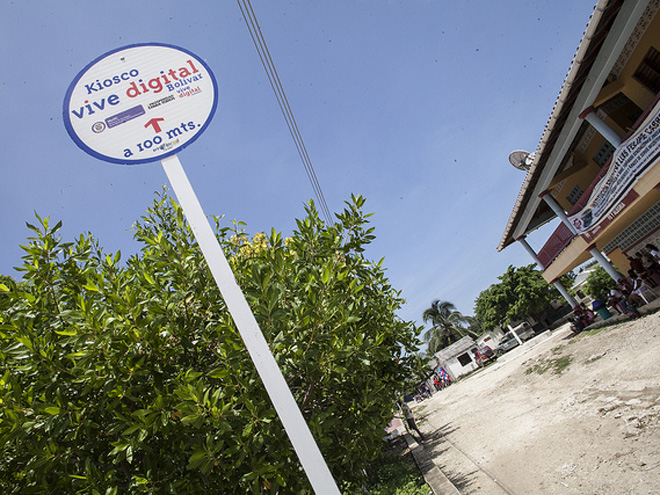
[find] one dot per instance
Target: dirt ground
(562, 414)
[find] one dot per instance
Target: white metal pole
(601, 127)
(294, 423)
(556, 207)
(515, 335)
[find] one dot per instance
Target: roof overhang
(605, 37)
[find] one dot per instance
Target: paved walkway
(434, 477)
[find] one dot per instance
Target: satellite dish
(521, 159)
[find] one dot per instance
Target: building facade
(597, 166)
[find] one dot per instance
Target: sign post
(144, 103)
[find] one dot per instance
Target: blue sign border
(95, 154)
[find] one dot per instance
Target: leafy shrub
(131, 378)
(395, 473)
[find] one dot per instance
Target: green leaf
(218, 373)
(130, 430)
(26, 342)
(4, 380)
(197, 459)
(69, 332)
(325, 276)
(190, 419)
(119, 447)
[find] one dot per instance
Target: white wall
(455, 369)
(489, 339)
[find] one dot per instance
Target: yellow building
(597, 166)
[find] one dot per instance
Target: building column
(595, 253)
(562, 290)
(602, 261)
(559, 211)
(601, 127)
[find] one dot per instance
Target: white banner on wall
(630, 161)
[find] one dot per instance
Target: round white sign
(140, 103)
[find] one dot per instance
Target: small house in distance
(579, 284)
(458, 359)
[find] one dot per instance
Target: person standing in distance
(410, 419)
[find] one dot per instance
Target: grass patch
(560, 364)
(595, 331)
(395, 473)
(556, 365)
(593, 359)
(539, 368)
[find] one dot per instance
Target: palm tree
(474, 325)
(447, 325)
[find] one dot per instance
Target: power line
(275, 83)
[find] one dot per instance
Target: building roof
(458, 347)
(605, 38)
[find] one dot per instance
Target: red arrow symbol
(154, 122)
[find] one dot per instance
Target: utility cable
(275, 83)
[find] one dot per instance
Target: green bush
(395, 473)
(131, 377)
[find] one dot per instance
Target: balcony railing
(555, 245)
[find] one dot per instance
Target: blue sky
(413, 104)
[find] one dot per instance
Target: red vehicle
(486, 354)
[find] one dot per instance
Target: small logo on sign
(98, 127)
(124, 116)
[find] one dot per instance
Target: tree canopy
(131, 377)
(599, 283)
(521, 292)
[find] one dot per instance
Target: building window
(575, 194)
(464, 359)
(638, 230)
(604, 154)
(648, 72)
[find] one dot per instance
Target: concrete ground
(454, 463)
